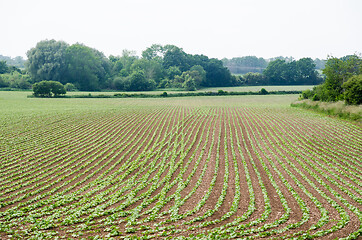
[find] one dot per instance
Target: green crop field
(224, 167)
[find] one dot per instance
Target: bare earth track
(180, 168)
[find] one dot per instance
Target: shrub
(221, 92)
(307, 94)
(47, 88)
(263, 91)
(353, 90)
(164, 94)
(315, 97)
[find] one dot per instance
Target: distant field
(215, 89)
(257, 88)
(20, 94)
(188, 168)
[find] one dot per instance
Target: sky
(218, 29)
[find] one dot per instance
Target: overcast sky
(223, 28)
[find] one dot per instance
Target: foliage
(84, 67)
(138, 82)
(353, 90)
(280, 72)
(152, 69)
(243, 65)
(336, 109)
(69, 87)
(42, 89)
(337, 72)
(15, 80)
(263, 91)
(17, 62)
(319, 64)
(189, 83)
(47, 61)
(88, 69)
(127, 59)
(189, 80)
(48, 88)
(172, 72)
(3, 67)
(176, 57)
(216, 74)
(155, 52)
(3, 83)
(57, 88)
(220, 92)
(338, 85)
(199, 74)
(119, 83)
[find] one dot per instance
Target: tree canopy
(17, 62)
(161, 66)
(280, 72)
(242, 65)
(86, 68)
(343, 81)
(48, 88)
(89, 69)
(47, 60)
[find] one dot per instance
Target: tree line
(18, 61)
(343, 81)
(246, 64)
(13, 77)
(159, 67)
(80, 67)
(283, 72)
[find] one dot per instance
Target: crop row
(182, 172)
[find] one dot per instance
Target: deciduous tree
(46, 61)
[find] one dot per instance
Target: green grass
(257, 88)
(18, 102)
(20, 94)
(336, 109)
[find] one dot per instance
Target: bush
(47, 88)
(164, 94)
(57, 88)
(353, 90)
(307, 94)
(315, 97)
(263, 91)
(221, 92)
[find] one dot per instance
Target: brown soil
(270, 142)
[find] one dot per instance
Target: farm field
(245, 167)
(211, 89)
